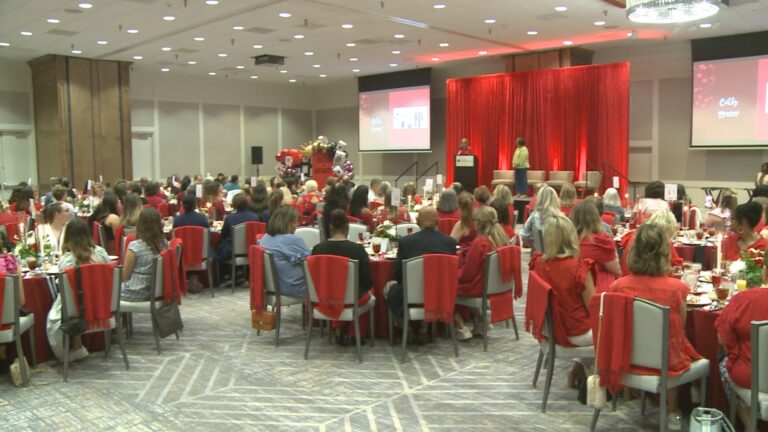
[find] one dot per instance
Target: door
(143, 156)
(17, 161)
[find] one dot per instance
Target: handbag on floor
(597, 395)
(17, 377)
(264, 320)
(167, 319)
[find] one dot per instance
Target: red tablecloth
(705, 255)
(382, 271)
(700, 329)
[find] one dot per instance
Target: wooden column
(553, 59)
(82, 118)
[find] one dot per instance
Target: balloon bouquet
(289, 160)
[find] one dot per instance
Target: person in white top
(373, 189)
(57, 215)
(59, 194)
(653, 201)
(762, 176)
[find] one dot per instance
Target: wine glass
(376, 246)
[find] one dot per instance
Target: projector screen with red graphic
(730, 103)
(395, 120)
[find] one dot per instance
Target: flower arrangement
(289, 160)
(751, 264)
(27, 248)
(386, 230)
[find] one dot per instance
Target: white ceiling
(460, 23)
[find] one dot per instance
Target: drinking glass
(717, 278)
(722, 293)
(376, 246)
(32, 263)
(741, 284)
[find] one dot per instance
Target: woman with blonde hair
(547, 204)
(490, 236)
(612, 204)
(131, 210)
(568, 198)
(502, 192)
(664, 220)
(596, 244)
(464, 230)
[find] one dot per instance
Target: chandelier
(670, 11)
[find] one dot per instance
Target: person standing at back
(521, 165)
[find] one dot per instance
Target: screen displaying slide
(730, 103)
(395, 120)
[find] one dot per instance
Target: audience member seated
(310, 197)
(78, 250)
(482, 196)
(106, 214)
(612, 203)
(457, 187)
(336, 197)
(664, 220)
(409, 190)
(503, 193)
(448, 206)
(598, 202)
(213, 200)
(373, 189)
(240, 215)
(490, 236)
(137, 269)
(720, 217)
(97, 194)
(744, 237)
(464, 230)
(392, 211)
(762, 176)
(51, 233)
(150, 193)
(358, 206)
(567, 198)
(384, 187)
(260, 202)
(232, 184)
(20, 199)
(502, 212)
(59, 194)
(131, 210)
(679, 207)
(338, 245)
(649, 258)
(190, 217)
(135, 188)
(596, 245)
(7, 216)
(288, 250)
(275, 200)
(653, 201)
(547, 204)
(734, 333)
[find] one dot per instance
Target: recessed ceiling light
(444, 44)
(353, 59)
(705, 25)
(198, 38)
(102, 42)
(284, 14)
(239, 67)
(254, 77)
(165, 70)
(399, 36)
(212, 2)
(600, 23)
(77, 51)
(482, 52)
(298, 36)
(435, 58)
(561, 8)
(192, 62)
(347, 26)
(166, 49)
(292, 80)
(489, 21)
(355, 70)
(132, 31)
(316, 66)
(396, 52)
(567, 42)
(4, 44)
(439, 6)
(212, 73)
(532, 32)
(393, 65)
(53, 20)
(309, 53)
(323, 75)
(284, 71)
(222, 55)
(351, 44)
(238, 27)
(169, 18)
(257, 46)
(25, 33)
(137, 57)
(85, 5)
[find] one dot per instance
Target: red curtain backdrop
(573, 119)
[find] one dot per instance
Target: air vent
(185, 51)
(311, 26)
(259, 30)
(367, 41)
(269, 59)
(59, 32)
(551, 16)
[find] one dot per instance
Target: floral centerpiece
(289, 161)
(386, 230)
(751, 264)
(26, 248)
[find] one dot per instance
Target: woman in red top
(502, 211)
(464, 230)
(744, 237)
(358, 206)
(596, 245)
(213, 200)
(392, 211)
(649, 267)
(490, 236)
(568, 198)
(448, 207)
(665, 220)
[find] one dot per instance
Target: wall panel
(221, 124)
(296, 127)
(641, 110)
(179, 130)
(142, 114)
(14, 107)
(109, 116)
(260, 126)
(81, 118)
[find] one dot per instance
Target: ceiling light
(351, 44)
(102, 42)
(599, 23)
(393, 65)
(4, 44)
(284, 71)
(489, 21)
(25, 33)
(85, 5)
(132, 31)
(192, 62)
(222, 55)
(292, 80)
(316, 66)
(212, 73)
(309, 53)
(53, 20)
(165, 70)
(705, 25)
(435, 58)
(439, 6)
(77, 51)
(670, 11)
(561, 8)
(238, 27)
(323, 75)
(169, 18)
(298, 36)
(212, 2)
(284, 14)
(254, 77)
(166, 49)
(532, 32)
(239, 67)
(355, 70)
(396, 52)
(137, 57)
(482, 52)
(257, 46)
(399, 36)
(347, 26)
(198, 38)
(444, 44)
(567, 42)
(353, 59)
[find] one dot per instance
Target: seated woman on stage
(649, 258)
(568, 198)
(490, 236)
(502, 212)
(464, 230)
(666, 221)
(734, 334)
(106, 214)
(392, 211)
(744, 237)
(358, 207)
(288, 250)
(596, 245)
(547, 204)
(448, 206)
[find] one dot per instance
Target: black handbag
(75, 326)
(167, 319)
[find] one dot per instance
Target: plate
(113, 257)
(698, 301)
(692, 242)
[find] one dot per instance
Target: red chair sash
(181, 271)
(162, 208)
(441, 280)
(256, 264)
(96, 282)
(118, 237)
(13, 231)
(192, 239)
(536, 305)
(329, 275)
(170, 276)
(253, 231)
(445, 226)
(609, 218)
(509, 264)
(615, 353)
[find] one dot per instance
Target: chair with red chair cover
(609, 218)
(9, 316)
(332, 286)
(121, 236)
(311, 236)
(446, 225)
(163, 209)
(405, 229)
(97, 294)
(374, 205)
(355, 231)
(196, 255)
(243, 236)
(540, 321)
(426, 297)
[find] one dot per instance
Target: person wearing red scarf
(595, 244)
(744, 237)
(663, 219)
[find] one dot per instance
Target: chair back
(446, 225)
(240, 240)
(350, 293)
(537, 176)
(270, 274)
(102, 235)
(67, 292)
(231, 194)
(355, 229)
(10, 310)
(504, 175)
(190, 235)
(538, 238)
(494, 283)
(321, 226)
(311, 236)
(564, 176)
(158, 278)
(650, 335)
(405, 229)
(593, 179)
(759, 339)
(413, 280)
(538, 300)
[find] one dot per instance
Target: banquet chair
(538, 238)
(413, 296)
(757, 395)
(406, 229)
(241, 242)
(558, 178)
(536, 178)
(9, 315)
(320, 224)
(591, 181)
(650, 349)
(231, 194)
(351, 311)
(503, 177)
(311, 236)
(163, 210)
(445, 226)
(355, 229)
(492, 285)
(539, 288)
(188, 236)
(68, 309)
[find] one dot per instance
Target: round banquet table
(382, 271)
(702, 254)
(700, 329)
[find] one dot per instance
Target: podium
(465, 171)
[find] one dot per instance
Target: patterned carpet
(221, 376)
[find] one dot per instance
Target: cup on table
(376, 246)
(699, 235)
(722, 293)
(32, 263)
(690, 278)
(717, 278)
(741, 284)
(696, 267)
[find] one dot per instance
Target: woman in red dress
(744, 237)
(649, 259)
(490, 236)
(663, 219)
(502, 211)
(596, 245)
(464, 230)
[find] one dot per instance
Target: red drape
(568, 117)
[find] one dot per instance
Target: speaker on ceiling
(257, 155)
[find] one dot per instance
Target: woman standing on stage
(521, 165)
